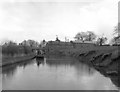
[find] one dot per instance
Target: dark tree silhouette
(101, 40)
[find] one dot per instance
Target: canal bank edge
(12, 60)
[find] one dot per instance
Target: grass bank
(7, 60)
(74, 49)
(105, 58)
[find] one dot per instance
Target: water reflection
(66, 62)
(39, 61)
(54, 73)
(10, 70)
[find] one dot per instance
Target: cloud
(102, 16)
(12, 1)
(23, 19)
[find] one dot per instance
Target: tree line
(11, 48)
(91, 36)
(80, 36)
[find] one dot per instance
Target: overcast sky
(44, 19)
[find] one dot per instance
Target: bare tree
(101, 40)
(116, 34)
(117, 30)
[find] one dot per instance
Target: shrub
(16, 49)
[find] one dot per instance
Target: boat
(40, 54)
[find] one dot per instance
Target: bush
(16, 49)
(106, 45)
(116, 45)
(71, 41)
(27, 49)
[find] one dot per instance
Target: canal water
(54, 73)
